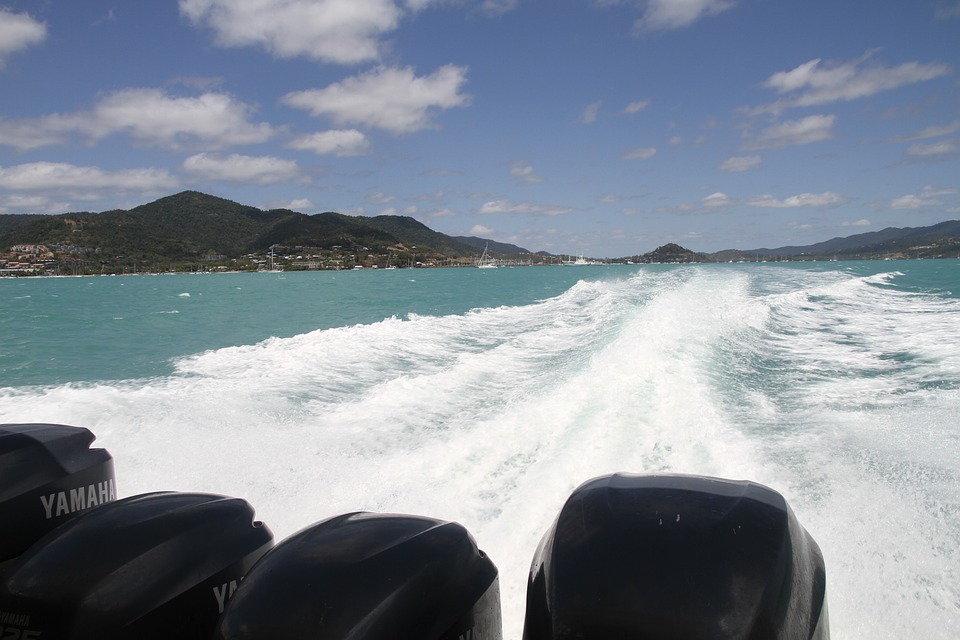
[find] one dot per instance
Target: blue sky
(603, 127)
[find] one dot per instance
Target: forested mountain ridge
(192, 225)
(192, 228)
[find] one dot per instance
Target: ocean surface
(487, 396)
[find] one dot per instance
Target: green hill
(192, 226)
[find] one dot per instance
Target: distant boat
(580, 261)
(486, 262)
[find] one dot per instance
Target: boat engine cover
(154, 566)
(48, 474)
(674, 556)
(367, 576)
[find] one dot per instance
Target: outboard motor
(153, 566)
(368, 576)
(672, 556)
(48, 474)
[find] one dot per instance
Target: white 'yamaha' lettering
(77, 499)
(223, 593)
(11, 627)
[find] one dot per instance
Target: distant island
(193, 231)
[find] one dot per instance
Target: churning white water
(839, 390)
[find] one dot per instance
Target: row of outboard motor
(628, 556)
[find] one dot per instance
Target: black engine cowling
(48, 474)
(367, 576)
(673, 556)
(150, 567)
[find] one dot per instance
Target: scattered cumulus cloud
(32, 203)
(739, 164)
(643, 153)
(150, 116)
(334, 31)
(481, 230)
(862, 222)
(935, 150)
(392, 99)
(636, 107)
(441, 213)
(524, 173)
(590, 113)
(240, 168)
(718, 199)
(380, 198)
(793, 132)
(816, 200)
(337, 142)
(18, 31)
(913, 202)
(813, 84)
(58, 176)
(300, 204)
(929, 196)
(933, 131)
(524, 208)
(663, 15)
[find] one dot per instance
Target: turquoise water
(55, 330)
(486, 396)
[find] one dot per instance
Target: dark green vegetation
(936, 241)
(193, 231)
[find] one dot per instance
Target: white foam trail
(492, 417)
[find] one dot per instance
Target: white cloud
(33, 203)
(213, 120)
(525, 208)
(380, 198)
(338, 142)
(672, 14)
(590, 113)
(738, 164)
(57, 176)
(480, 230)
(337, 31)
(793, 132)
(643, 153)
(933, 131)
(636, 107)
(914, 202)
(862, 222)
(812, 84)
(441, 213)
(300, 204)
(386, 98)
(524, 173)
(928, 197)
(239, 168)
(151, 116)
(936, 149)
(931, 191)
(17, 32)
(817, 200)
(718, 199)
